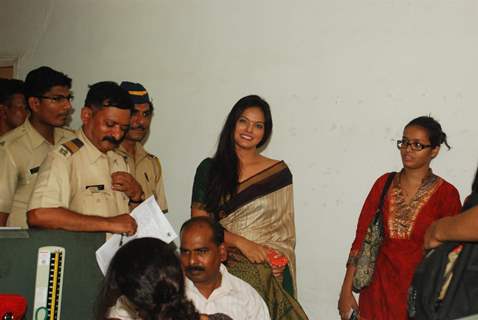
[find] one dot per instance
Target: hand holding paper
(151, 223)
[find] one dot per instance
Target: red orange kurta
(402, 249)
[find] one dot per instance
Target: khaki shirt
(146, 169)
(22, 150)
(77, 176)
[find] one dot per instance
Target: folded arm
(463, 227)
(65, 219)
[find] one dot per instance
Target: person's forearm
(462, 227)
(348, 279)
(232, 239)
(61, 218)
(3, 219)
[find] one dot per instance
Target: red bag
(12, 306)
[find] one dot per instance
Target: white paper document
(151, 222)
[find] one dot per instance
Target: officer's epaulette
(152, 156)
(70, 147)
(12, 136)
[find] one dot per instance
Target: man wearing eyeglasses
(13, 109)
(23, 149)
(82, 184)
(144, 166)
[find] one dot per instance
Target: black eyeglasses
(416, 146)
(59, 98)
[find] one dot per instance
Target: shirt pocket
(96, 200)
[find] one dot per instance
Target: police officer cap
(136, 91)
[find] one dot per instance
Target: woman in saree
(415, 199)
(251, 197)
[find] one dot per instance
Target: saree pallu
(262, 211)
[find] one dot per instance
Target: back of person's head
(433, 128)
(148, 273)
(10, 87)
(216, 228)
(41, 80)
(108, 94)
(472, 199)
(474, 185)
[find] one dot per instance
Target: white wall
(342, 77)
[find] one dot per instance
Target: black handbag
(432, 296)
(367, 257)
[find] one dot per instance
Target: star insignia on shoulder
(64, 151)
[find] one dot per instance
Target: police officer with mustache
(83, 185)
(144, 166)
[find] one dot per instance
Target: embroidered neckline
(402, 214)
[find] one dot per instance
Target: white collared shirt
(235, 298)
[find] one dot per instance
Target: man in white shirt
(208, 284)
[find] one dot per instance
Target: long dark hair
(148, 273)
(224, 174)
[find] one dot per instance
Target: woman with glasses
(414, 200)
(251, 197)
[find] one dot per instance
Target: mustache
(140, 126)
(112, 140)
(194, 268)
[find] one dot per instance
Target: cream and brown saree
(262, 211)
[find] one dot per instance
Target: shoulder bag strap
(384, 191)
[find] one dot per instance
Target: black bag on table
(461, 298)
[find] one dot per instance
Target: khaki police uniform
(22, 150)
(146, 169)
(77, 176)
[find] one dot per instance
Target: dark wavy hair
(433, 128)
(9, 87)
(224, 174)
(41, 80)
(108, 94)
(148, 273)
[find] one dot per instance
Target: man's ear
(86, 115)
(223, 252)
(34, 104)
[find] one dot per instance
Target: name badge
(96, 188)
